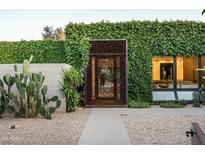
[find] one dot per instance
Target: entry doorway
(107, 73)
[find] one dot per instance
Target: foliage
(50, 33)
(72, 79)
(199, 96)
(29, 102)
(171, 104)
(84, 50)
(77, 52)
(47, 51)
(138, 104)
(196, 104)
(183, 102)
(145, 39)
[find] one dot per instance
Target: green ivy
(47, 51)
(77, 52)
(145, 39)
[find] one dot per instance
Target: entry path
(104, 126)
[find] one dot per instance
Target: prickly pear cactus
(45, 109)
(4, 98)
(26, 66)
(31, 99)
(29, 86)
(9, 81)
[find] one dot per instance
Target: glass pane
(162, 72)
(186, 72)
(106, 77)
(118, 78)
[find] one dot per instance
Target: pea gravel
(63, 128)
(161, 126)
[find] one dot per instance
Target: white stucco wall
(185, 95)
(169, 95)
(163, 95)
(52, 73)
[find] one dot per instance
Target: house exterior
(162, 56)
(140, 60)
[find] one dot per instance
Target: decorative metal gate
(107, 73)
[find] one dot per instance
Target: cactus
(26, 66)
(38, 79)
(29, 86)
(32, 98)
(9, 80)
(4, 98)
(45, 109)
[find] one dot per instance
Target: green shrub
(199, 96)
(196, 104)
(46, 51)
(171, 104)
(138, 104)
(183, 102)
(72, 79)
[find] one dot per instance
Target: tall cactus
(26, 66)
(32, 98)
(38, 80)
(29, 86)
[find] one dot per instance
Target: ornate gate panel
(107, 73)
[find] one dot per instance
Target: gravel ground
(161, 126)
(64, 128)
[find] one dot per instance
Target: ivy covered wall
(47, 51)
(145, 39)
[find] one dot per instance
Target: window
(187, 74)
(162, 72)
(203, 73)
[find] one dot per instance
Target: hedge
(145, 39)
(47, 51)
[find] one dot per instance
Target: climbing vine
(145, 39)
(47, 51)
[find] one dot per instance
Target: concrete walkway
(104, 126)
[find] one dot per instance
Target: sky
(28, 24)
